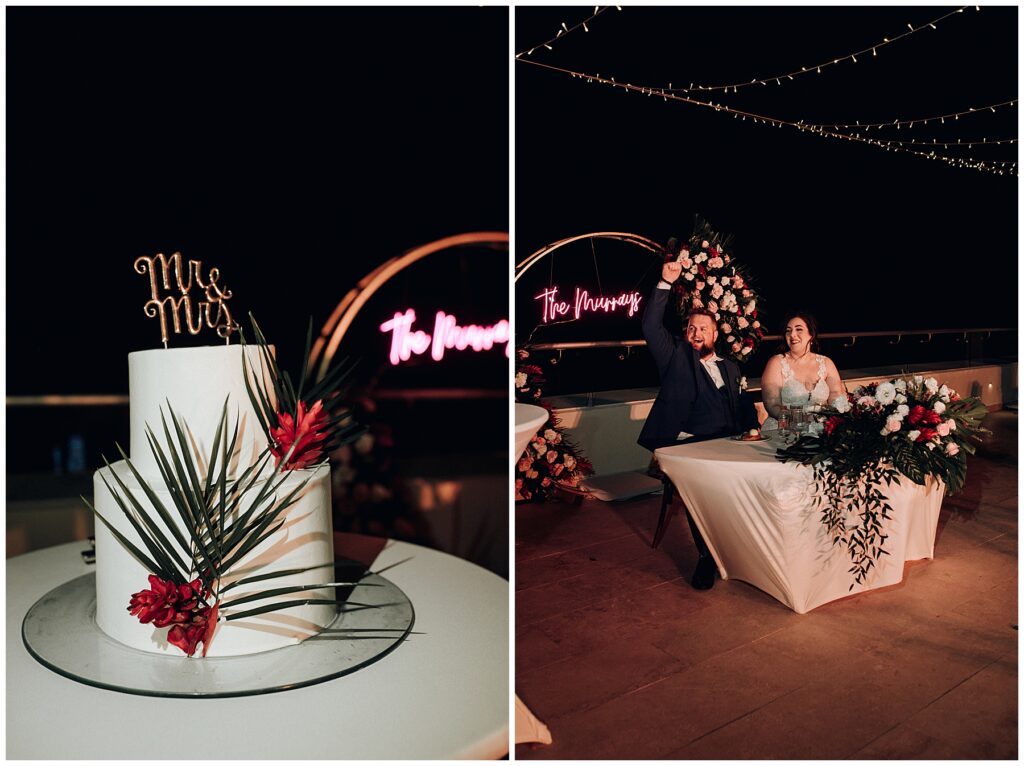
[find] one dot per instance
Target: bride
(798, 377)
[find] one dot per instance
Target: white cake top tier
(195, 381)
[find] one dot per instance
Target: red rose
(926, 434)
(702, 272)
(916, 414)
(932, 418)
(832, 424)
(748, 342)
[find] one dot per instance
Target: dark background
(863, 238)
(293, 148)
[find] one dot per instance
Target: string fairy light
(941, 118)
(997, 167)
(958, 142)
(564, 30)
(778, 78)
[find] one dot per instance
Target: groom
(700, 397)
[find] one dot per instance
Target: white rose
(741, 322)
(943, 390)
(885, 393)
(540, 446)
(893, 423)
(939, 407)
(901, 385)
(712, 279)
(841, 404)
(717, 316)
(901, 399)
(716, 291)
(704, 243)
(930, 445)
(550, 435)
(866, 401)
(688, 275)
(746, 350)
(520, 380)
(952, 424)
(932, 385)
(743, 383)
(570, 462)
(912, 435)
(918, 379)
(730, 339)
(751, 307)
(815, 429)
(902, 410)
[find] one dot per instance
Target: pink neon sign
(582, 303)
(405, 341)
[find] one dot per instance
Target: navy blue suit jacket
(678, 366)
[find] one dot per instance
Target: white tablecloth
(444, 693)
(759, 519)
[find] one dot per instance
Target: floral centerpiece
(908, 426)
(712, 280)
(551, 462)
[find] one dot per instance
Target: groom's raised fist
(670, 271)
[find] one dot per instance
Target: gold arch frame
(345, 312)
(633, 239)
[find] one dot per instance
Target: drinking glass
(785, 420)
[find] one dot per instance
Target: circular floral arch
(334, 329)
(633, 239)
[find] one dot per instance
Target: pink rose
(943, 428)
(736, 347)
(699, 286)
(524, 465)
(685, 262)
(712, 307)
(545, 482)
(552, 456)
(893, 423)
(952, 448)
(557, 469)
(726, 328)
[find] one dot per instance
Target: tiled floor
(621, 658)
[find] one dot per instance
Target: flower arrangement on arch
(908, 426)
(712, 280)
(551, 462)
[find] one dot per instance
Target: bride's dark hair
(812, 328)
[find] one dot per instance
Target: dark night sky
(864, 238)
(295, 149)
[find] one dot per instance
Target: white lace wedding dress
(795, 394)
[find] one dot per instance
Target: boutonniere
(742, 382)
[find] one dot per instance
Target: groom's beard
(707, 348)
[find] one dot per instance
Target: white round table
(529, 417)
(442, 694)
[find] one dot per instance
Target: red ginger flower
(187, 636)
(165, 603)
(304, 436)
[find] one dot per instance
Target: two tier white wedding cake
(194, 383)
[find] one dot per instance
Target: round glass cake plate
(60, 631)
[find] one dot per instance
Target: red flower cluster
(167, 603)
(304, 436)
(921, 415)
(832, 424)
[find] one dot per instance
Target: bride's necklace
(798, 358)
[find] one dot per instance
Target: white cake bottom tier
(305, 539)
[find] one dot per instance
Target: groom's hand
(670, 271)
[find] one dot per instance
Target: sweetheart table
(441, 694)
(760, 520)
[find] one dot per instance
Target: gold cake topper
(213, 312)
